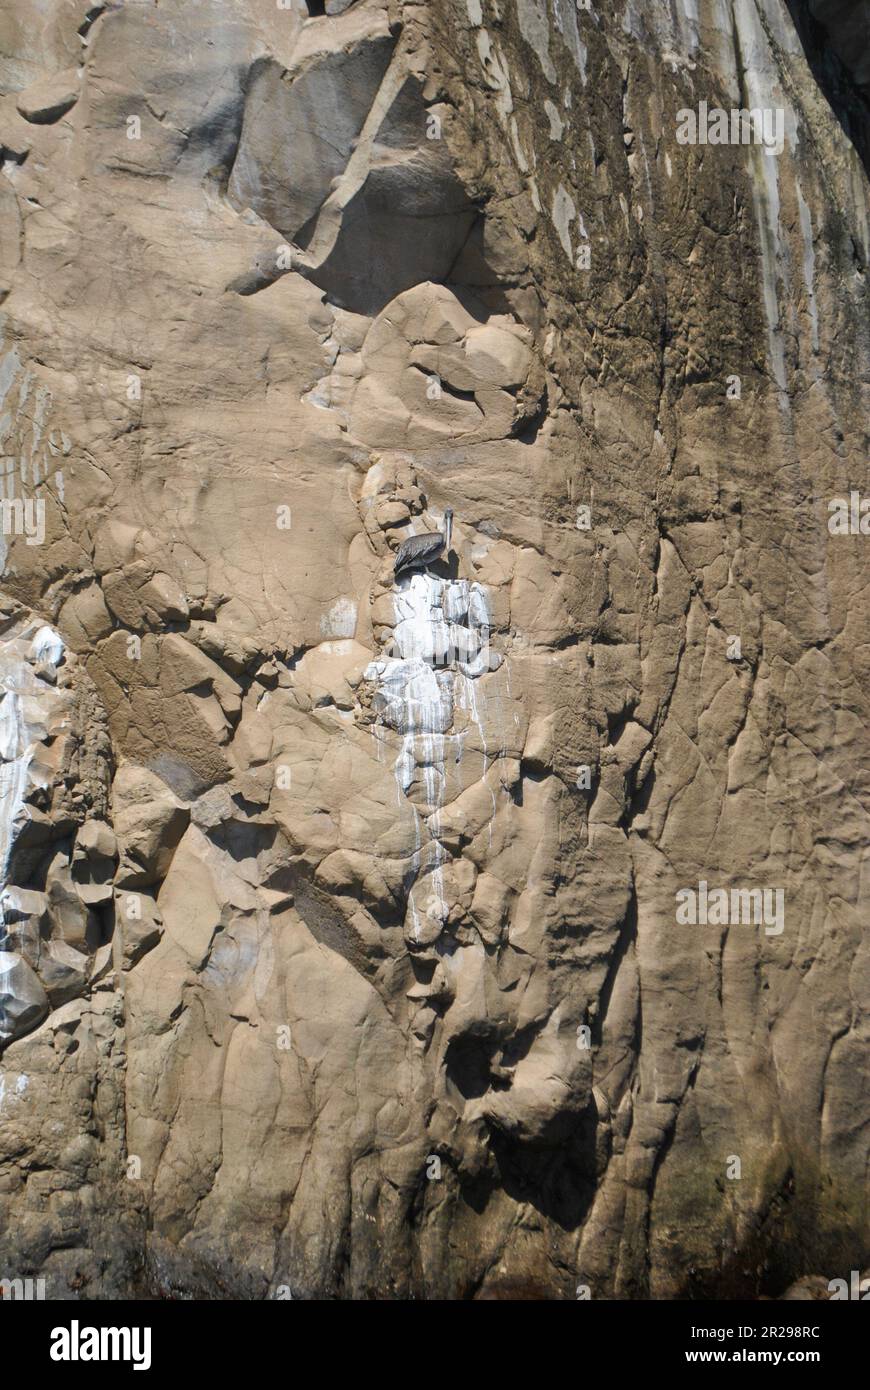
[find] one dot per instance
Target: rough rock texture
(340, 951)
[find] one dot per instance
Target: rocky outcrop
(495, 930)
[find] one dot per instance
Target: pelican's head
(448, 529)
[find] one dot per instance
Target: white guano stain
(441, 645)
(340, 621)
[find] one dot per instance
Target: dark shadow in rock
(403, 217)
(479, 288)
(556, 1174)
(476, 1191)
(518, 1044)
(531, 428)
(409, 223)
(328, 926)
(554, 1170)
(627, 938)
(178, 776)
(243, 839)
(467, 1062)
(404, 227)
(445, 568)
(836, 42)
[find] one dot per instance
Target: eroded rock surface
(340, 939)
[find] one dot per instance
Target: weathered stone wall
(378, 983)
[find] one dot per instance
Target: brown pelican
(419, 551)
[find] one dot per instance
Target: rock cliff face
(496, 930)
